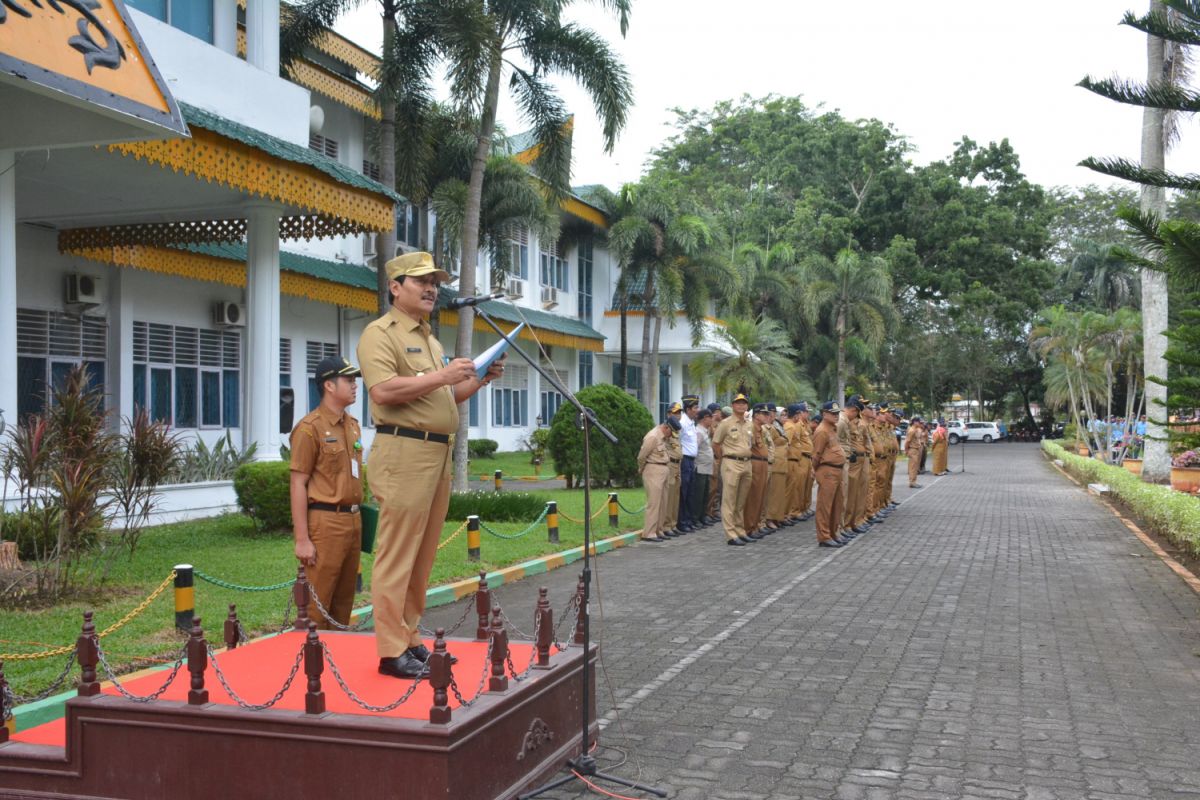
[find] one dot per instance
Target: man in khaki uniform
(670, 524)
(914, 447)
(753, 514)
(876, 436)
(892, 419)
(735, 436)
(850, 437)
(326, 489)
(799, 461)
(829, 459)
(414, 403)
(654, 461)
(713, 511)
(777, 474)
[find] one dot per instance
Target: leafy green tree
(768, 280)
(1100, 277)
(758, 356)
(612, 464)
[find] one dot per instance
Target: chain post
(197, 661)
(439, 679)
(300, 598)
(7, 725)
(614, 520)
(314, 665)
(87, 655)
(185, 596)
(545, 629)
(552, 521)
(233, 634)
(499, 650)
(498, 480)
(580, 612)
(472, 538)
(483, 607)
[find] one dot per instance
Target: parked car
(901, 431)
(954, 430)
(986, 432)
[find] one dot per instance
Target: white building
(198, 276)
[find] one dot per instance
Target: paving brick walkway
(1002, 635)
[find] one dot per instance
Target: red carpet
(256, 671)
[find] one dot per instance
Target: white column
(120, 345)
(261, 420)
(262, 35)
(225, 26)
(8, 285)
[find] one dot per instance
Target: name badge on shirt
(354, 467)
(413, 350)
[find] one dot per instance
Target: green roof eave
(356, 275)
(542, 320)
(285, 150)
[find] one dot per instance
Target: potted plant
(1133, 465)
(1185, 471)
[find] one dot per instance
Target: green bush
(35, 531)
(612, 465)
(1171, 514)
(496, 506)
(482, 448)
(263, 492)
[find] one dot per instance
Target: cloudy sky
(935, 69)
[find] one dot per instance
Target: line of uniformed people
(758, 465)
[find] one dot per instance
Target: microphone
(462, 302)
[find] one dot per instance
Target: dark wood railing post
(197, 663)
(545, 629)
(233, 634)
(300, 597)
(483, 607)
(314, 665)
(499, 680)
(439, 679)
(88, 655)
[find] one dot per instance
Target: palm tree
(853, 294)
(1171, 27)
(769, 280)
(763, 361)
(1100, 273)
(403, 93)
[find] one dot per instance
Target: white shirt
(687, 434)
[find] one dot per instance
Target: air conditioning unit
(368, 246)
(549, 297)
(83, 289)
(229, 315)
(515, 287)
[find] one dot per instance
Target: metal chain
(212, 657)
(566, 615)
(337, 674)
(537, 626)
(149, 698)
(508, 622)
(54, 687)
(525, 532)
(286, 625)
(467, 609)
(487, 665)
(358, 626)
(629, 511)
(7, 703)
(452, 536)
(238, 587)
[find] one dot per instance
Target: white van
(986, 432)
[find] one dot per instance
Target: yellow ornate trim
(335, 88)
(585, 212)
(450, 319)
(211, 157)
(331, 44)
(211, 269)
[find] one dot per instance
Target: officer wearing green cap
(414, 396)
(735, 437)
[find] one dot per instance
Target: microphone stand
(583, 765)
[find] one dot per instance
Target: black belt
(674, 460)
(657, 463)
(794, 459)
(807, 455)
(411, 433)
(738, 458)
(829, 464)
(333, 507)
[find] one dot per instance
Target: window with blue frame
(585, 280)
(553, 267)
(187, 377)
(519, 260)
(408, 224)
(633, 377)
(587, 364)
(664, 390)
(49, 345)
(193, 17)
(510, 398)
(473, 411)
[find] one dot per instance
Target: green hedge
(482, 448)
(1174, 515)
(496, 506)
(263, 492)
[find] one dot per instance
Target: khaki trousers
(879, 476)
(864, 493)
(777, 495)
(735, 489)
(829, 502)
(713, 508)
(756, 499)
(795, 485)
(670, 516)
(338, 542)
(853, 489)
(654, 478)
(410, 480)
(810, 477)
(914, 464)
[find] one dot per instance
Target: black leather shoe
(860, 529)
(404, 666)
(755, 536)
(746, 540)
(735, 543)
(830, 543)
(421, 652)
(668, 534)
(654, 540)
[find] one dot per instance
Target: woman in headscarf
(941, 448)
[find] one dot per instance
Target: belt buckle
(354, 509)
(452, 438)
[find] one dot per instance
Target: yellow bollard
(552, 521)
(614, 520)
(472, 538)
(499, 480)
(185, 597)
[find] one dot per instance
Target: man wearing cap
(777, 474)
(712, 510)
(799, 460)
(828, 459)
(698, 502)
(753, 513)
(654, 461)
(735, 436)
(687, 468)
(914, 447)
(670, 523)
(326, 489)
(850, 438)
(414, 402)
(875, 439)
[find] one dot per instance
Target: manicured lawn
(227, 548)
(514, 464)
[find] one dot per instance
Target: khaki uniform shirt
(675, 446)
(327, 449)
(850, 436)
(654, 449)
(779, 448)
(827, 450)
(802, 438)
(913, 440)
(396, 344)
(735, 437)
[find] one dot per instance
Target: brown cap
(415, 264)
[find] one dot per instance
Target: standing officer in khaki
(829, 458)
(713, 510)
(735, 436)
(760, 461)
(877, 436)
(914, 447)
(326, 489)
(414, 402)
(851, 439)
(777, 474)
(674, 479)
(799, 460)
(654, 462)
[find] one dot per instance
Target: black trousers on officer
(687, 471)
